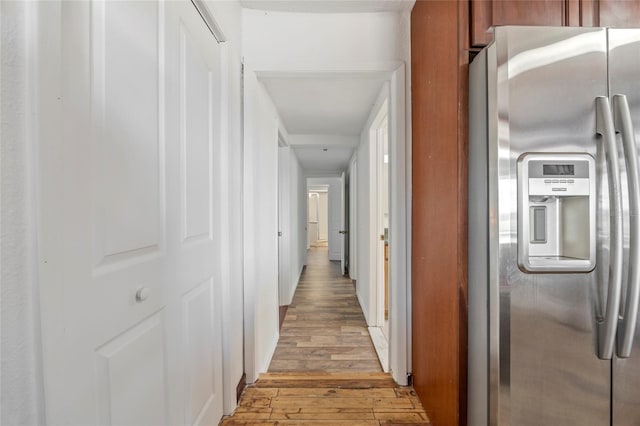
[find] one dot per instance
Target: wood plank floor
(328, 398)
(325, 369)
(324, 329)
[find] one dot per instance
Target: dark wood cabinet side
(577, 13)
(439, 55)
(619, 14)
(480, 18)
(488, 13)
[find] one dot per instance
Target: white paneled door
(130, 296)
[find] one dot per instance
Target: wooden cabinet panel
(584, 13)
(620, 14)
(488, 13)
(480, 22)
(439, 72)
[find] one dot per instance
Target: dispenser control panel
(556, 212)
(558, 178)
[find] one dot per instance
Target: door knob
(142, 294)
(343, 232)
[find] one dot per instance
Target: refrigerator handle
(607, 325)
(627, 322)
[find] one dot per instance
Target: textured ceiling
(317, 162)
(317, 105)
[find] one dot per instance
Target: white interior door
(323, 216)
(130, 299)
(380, 220)
(334, 215)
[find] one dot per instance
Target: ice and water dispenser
(556, 212)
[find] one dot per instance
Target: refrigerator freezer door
(549, 372)
(624, 72)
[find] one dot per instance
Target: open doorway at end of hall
(324, 215)
(318, 216)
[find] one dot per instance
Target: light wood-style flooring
(324, 329)
(325, 369)
(331, 399)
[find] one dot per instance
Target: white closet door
(323, 216)
(130, 300)
(193, 120)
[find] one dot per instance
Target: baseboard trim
(241, 385)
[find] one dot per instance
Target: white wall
(260, 227)
(367, 216)
(292, 223)
(21, 391)
(228, 15)
(285, 41)
(353, 217)
(284, 231)
(299, 207)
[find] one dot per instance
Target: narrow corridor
(324, 329)
(325, 369)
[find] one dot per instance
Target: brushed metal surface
(624, 69)
(477, 374)
(543, 342)
(608, 319)
(628, 317)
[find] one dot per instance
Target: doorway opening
(379, 158)
(324, 101)
(318, 217)
(324, 214)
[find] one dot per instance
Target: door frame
(376, 251)
(399, 230)
(399, 214)
(399, 238)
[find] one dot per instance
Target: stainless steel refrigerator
(554, 232)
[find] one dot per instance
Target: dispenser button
(547, 181)
(570, 181)
(562, 181)
(555, 181)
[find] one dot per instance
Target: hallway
(324, 329)
(325, 369)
